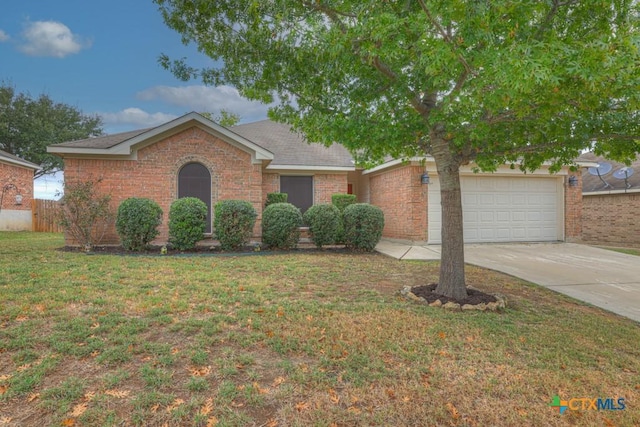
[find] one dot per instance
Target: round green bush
(187, 222)
(324, 222)
(233, 223)
(363, 224)
(341, 201)
(137, 222)
(280, 226)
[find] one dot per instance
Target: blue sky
(101, 57)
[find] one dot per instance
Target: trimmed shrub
(324, 222)
(341, 201)
(363, 224)
(233, 223)
(137, 222)
(187, 222)
(276, 198)
(280, 225)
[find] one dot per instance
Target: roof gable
(127, 144)
(264, 140)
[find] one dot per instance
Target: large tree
(482, 82)
(28, 126)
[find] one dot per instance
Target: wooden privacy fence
(44, 214)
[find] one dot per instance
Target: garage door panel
(503, 209)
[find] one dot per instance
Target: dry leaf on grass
(5, 377)
(333, 396)
(175, 404)
(278, 381)
(301, 406)
(453, 411)
(212, 421)
(79, 409)
(32, 397)
(3, 389)
(442, 335)
(5, 420)
(200, 372)
(69, 422)
(259, 389)
(272, 423)
(120, 394)
(208, 407)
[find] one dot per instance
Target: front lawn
(291, 340)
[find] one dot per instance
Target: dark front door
(299, 190)
(194, 180)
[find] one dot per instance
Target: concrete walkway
(600, 277)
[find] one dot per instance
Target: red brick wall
(611, 219)
(573, 208)
(270, 184)
(155, 173)
(22, 178)
(403, 199)
(324, 185)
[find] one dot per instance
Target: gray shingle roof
(103, 142)
(10, 158)
(592, 183)
(290, 148)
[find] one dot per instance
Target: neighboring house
(611, 202)
(193, 156)
(16, 192)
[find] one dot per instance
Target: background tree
(28, 126)
(477, 81)
(225, 118)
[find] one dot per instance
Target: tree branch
(446, 35)
(550, 15)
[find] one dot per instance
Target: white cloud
(135, 117)
(51, 38)
(207, 99)
(3, 36)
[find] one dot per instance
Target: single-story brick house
(611, 202)
(193, 156)
(16, 192)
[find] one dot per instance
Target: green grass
(291, 340)
(628, 251)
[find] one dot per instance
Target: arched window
(194, 180)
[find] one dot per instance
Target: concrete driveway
(600, 277)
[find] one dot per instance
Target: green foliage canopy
(28, 126)
(498, 81)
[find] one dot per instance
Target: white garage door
(504, 209)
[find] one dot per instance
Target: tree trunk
(452, 282)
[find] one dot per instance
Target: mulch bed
(474, 297)
(204, 250)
